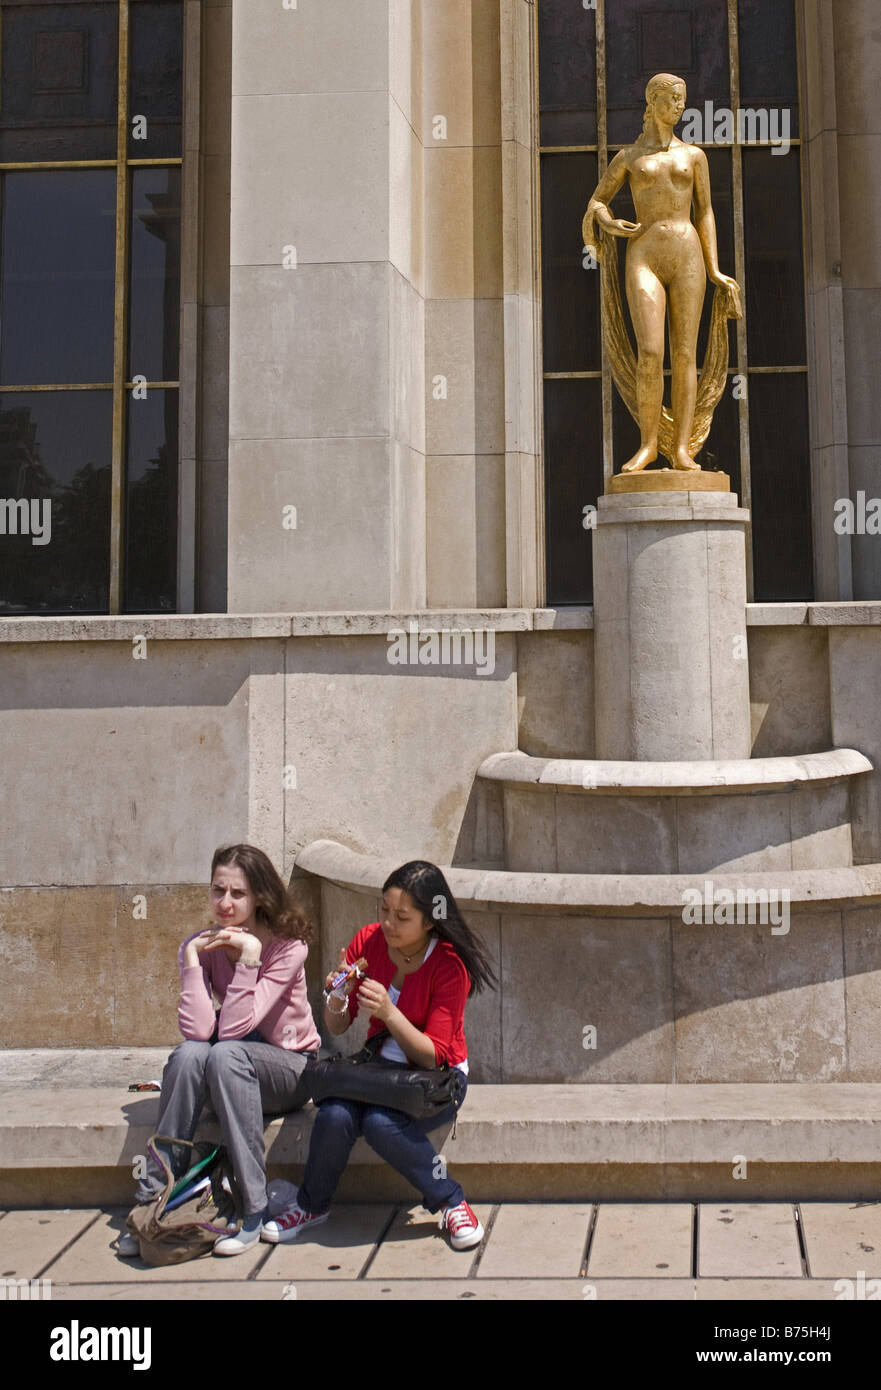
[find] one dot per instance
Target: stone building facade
(362, 466)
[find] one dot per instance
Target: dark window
(90, 317)
(54, 456)
(570, 293)
(154, 294)
(574, 437)
(57, 277)
(752, 187)
(688, 38)
(59, 81)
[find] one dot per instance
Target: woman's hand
(337, 1019)
(735, 302)
(342, 964)
(619, 227)
(599, 214)
(197, 944)
(373, 998)
(242, 944)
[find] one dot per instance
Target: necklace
(415, 953)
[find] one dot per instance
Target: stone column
(326, 455)
(672, 678)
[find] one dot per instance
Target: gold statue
(668, 260)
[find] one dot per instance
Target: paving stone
(436, 1290)
(767, 1291)
(337, 1250)
(29, 1239)
(841, 1239)
(541, 1241)
(756, 1239)
(326, 1290)
(196, 1290)
(93, 1260)
(414, 1248)
(646, 1240)
(653, 1290)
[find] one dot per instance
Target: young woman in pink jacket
(250, 1056)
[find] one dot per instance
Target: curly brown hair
(275, 908)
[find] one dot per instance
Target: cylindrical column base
(672, 679)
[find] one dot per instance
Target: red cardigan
(432, 998)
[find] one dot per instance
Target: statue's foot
(682, 459)
(641, 459)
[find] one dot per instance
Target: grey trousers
(244, 1081)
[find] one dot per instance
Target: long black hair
(429, 890)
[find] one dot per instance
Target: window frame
(121, 385)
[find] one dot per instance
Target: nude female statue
(668, 260)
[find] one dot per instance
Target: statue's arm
(704, 218)
(598, 211)
(705, 221)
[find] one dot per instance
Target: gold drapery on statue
(622, 358)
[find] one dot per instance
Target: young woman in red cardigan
(422, 964)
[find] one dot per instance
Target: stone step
(607, 895)
(743, 816)
(68, 1140)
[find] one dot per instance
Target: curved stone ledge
(598, 895)
(700, 778)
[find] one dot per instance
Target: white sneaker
(128, 1246)
(238, 1244)
(288, 1226)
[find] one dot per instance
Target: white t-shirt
(392, 1050)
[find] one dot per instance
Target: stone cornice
(227, 627)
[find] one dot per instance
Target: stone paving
(771, 1251)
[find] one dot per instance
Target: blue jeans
(403, 1142)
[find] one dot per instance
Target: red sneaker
(281, 1229)
(462, 1226)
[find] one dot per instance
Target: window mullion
(120, 321)
(740, 277)
(602, 164)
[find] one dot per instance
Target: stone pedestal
(672, 678)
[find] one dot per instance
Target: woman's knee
(651, 360)
(682, 358)
(229, 1059)
(336, 1116)
(188, 1056)
(379, 1125)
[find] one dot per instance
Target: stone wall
(121, 775)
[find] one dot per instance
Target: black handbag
(367, 1078)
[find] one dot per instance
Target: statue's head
(665, 97)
